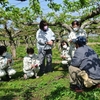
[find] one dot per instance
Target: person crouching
(84, 70)
(31, 64)
(5, 69)
(65, 53)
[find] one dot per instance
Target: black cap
(81, 40)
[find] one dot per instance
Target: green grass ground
(52, 86)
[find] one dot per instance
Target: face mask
(64, 46)
(30, 55)
(4, 54)
(75, 29)
(45, 28)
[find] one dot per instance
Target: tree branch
(88, 23)
(91, 15)
(67, 27)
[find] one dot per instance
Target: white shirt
(3, 63)
(28, 61)
(66, 54)
(74, 35)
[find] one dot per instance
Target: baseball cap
(81, 40)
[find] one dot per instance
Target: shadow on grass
(87, 95)
(60, 67)
(8, 97)
(26, 94)
(18, 75)
(58, 93)
(61, 92)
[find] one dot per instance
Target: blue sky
(26, 3)
(43, 3)
(18, 3)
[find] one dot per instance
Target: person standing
(84, 70)
(45, 39)
(77, 31)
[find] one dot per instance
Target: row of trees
(23, 22)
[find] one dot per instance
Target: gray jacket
(86, 59)
(43, 37)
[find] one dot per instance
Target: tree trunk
(13, 51)
(26, 41)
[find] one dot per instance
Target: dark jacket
(86, 59)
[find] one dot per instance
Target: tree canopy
(17, 22)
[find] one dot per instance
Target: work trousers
(76, 79)
(45, 56)
(32, 72)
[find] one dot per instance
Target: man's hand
(34, 65)
(63, 56)
(9, 61)
(70, 41)
(50, 42)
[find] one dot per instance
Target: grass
(94, 39)
(52, 86)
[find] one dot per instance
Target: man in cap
(85, 66)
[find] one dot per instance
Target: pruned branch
(66, 26)
(88, 23)
(91, 15)
(63, 25)
(30, 23)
